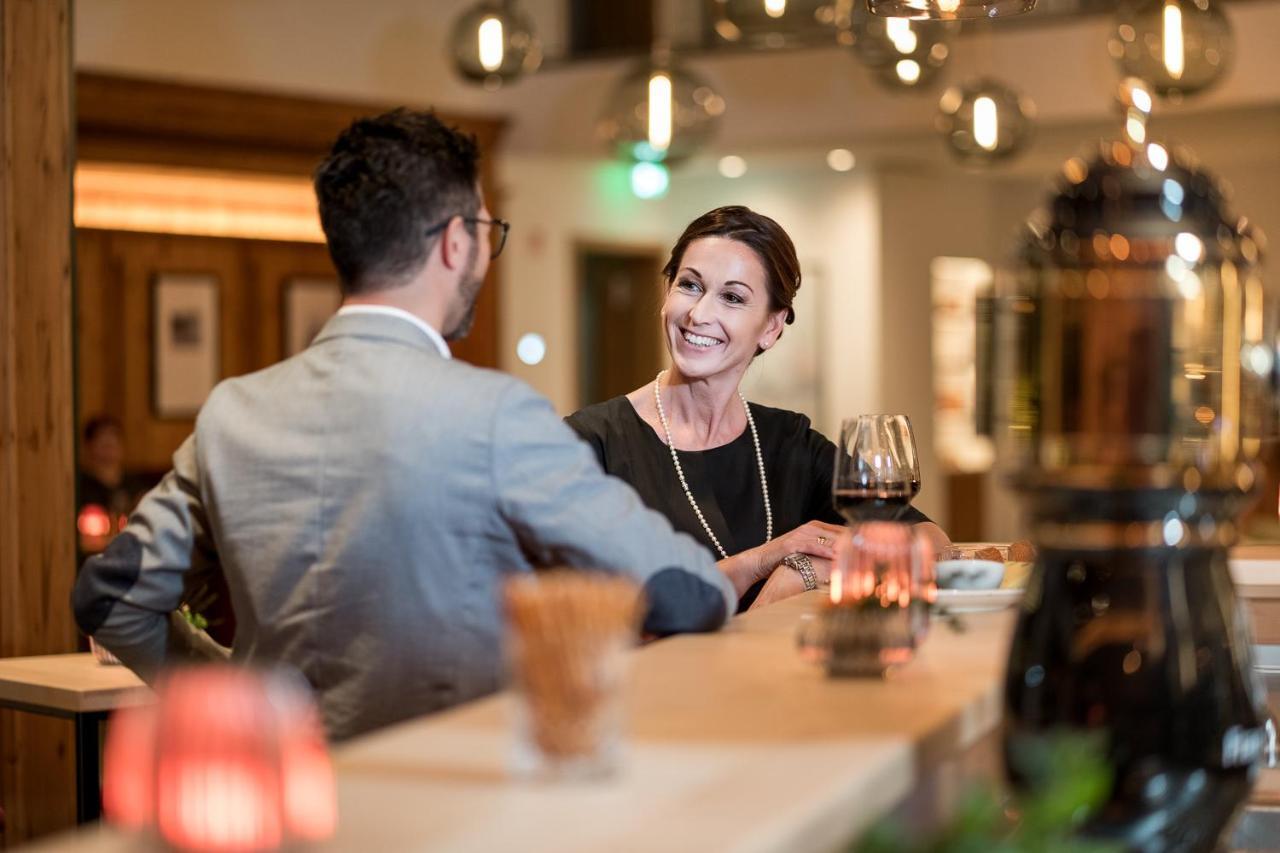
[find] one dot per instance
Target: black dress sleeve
(822, 455)
(590, 427)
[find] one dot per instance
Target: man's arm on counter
(566, 511)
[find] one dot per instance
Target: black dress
(798, 461)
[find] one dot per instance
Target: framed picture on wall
(308, 305)
(185, 356)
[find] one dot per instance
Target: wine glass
(877, 470)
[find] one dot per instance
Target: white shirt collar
(391, 311)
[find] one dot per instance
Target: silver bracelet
(804, 566)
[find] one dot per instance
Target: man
(366, 498)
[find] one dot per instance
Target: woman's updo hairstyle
(771, 244)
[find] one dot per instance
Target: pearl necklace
(755, 437)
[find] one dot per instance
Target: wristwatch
(804, 566)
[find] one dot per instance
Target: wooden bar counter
(734, 743)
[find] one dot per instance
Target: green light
(644, 151)
(649, 180)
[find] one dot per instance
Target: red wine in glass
(877, 471)
(883, 502)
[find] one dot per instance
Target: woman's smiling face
(716, 312)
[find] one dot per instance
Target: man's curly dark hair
(386, 180)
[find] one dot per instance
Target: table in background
(76, 688)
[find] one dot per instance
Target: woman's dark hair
(386, 181)
(771, 244)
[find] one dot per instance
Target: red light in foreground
(227, 760)
(93, 521)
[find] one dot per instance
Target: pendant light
(902, 54)
(764, 23)
(985, 122)
(949, 10)
(1178, 47)
(659, 112)
(494, 43)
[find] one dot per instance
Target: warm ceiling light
(732, 166)
(841, 159)
(986, 126)
(908, 71)
(899, 32)
(985, 122)
(949, 10)
(1174, 47)
(1173, 54)
(775, 8)
(494, 43)
(1158, 156)
(901, 55)
(659, 112)
(489, 47)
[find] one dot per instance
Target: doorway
(619, 337)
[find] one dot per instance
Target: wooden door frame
(583, 245)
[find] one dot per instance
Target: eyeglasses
(497, 239)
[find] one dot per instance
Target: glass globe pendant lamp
(985, 122)
(949, 10)
(766, 23)
(902, 54)
(494, 43)
(660, 113)
(1177, 47)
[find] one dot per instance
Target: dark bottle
(1146, 646)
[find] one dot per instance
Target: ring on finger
(822, 540)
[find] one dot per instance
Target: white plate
(978, 600)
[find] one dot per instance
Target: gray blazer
(364, 500)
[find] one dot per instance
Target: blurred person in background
(105, 494)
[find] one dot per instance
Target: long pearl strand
(688, 493)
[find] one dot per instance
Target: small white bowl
(969, 574)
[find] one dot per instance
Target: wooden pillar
(37, 546)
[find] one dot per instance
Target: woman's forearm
(742, 570)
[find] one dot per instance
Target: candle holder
(226, 759)
(882, 586)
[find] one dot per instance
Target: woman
(743, 473)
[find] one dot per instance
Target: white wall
(557, 202)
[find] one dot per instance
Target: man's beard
(463, 313)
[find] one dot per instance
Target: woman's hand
(817, 539)
(786, 582)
